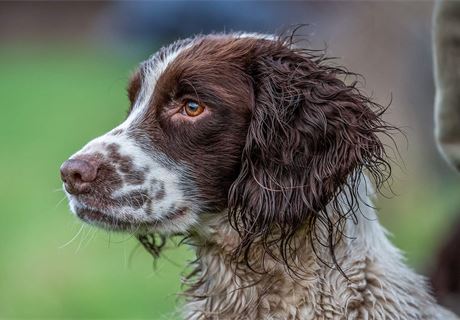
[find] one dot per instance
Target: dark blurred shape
(44, 21)
(161, 22)
(447, 75)
(170, 20)
(446, 274)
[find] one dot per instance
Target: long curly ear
(310, 137)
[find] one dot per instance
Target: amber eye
(192, 108)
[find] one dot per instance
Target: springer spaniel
(257, 152)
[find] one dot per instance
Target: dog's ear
(310, 137)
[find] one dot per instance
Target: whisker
(60, 201)
(91, 238)
(85, 235)
(74, 237)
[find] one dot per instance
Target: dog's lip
(92, 215)
(109, 216)
(111, 222)
(92, 210)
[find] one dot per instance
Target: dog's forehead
(152, 68)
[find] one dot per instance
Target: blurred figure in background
(446, 275)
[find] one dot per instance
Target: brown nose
(77, 175)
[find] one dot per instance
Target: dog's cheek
(213, 174)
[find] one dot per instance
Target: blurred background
(63, 71)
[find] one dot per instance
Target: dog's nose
(77, 175)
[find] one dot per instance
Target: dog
(262, 157)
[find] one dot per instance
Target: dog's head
(242, 124)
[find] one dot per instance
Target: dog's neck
(222, 290)
(379, 285)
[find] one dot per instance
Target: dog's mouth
(111, 222)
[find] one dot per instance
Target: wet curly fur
(310, 138)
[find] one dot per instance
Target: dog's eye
(192, 108)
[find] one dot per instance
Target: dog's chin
(111, 222)
(120, 219)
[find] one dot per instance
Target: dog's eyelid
(185, 97)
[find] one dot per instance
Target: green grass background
(53, 103)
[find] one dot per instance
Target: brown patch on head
(214, 72)
(124, 163)
(107, 177)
